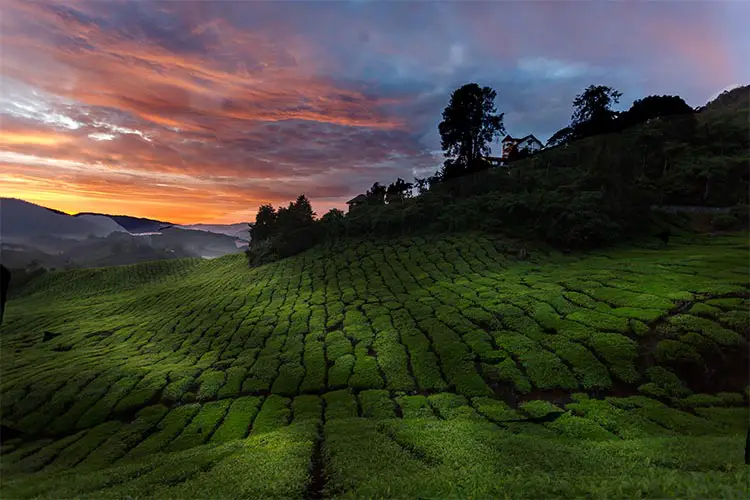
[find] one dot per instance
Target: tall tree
(593, 113)
(265, 224)
(297, 215)
(470, 123)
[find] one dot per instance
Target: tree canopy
(592, 110)
(470, 123)
(654, 106)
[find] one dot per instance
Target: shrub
(210, 383)
(579, 428)
(377, 404)
(307, 408)
(674, 351)
(668, 381)
(495, 410)
(236, 424)
(167, 429)
(273, 415)
(415, 407)
(453, 407)
(340, 404)
(539, 408)
(202, 426)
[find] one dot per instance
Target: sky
(200, 111)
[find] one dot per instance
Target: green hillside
(421, 367)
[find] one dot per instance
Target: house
(529, 142)
(356, 201)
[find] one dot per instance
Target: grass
(421, 367)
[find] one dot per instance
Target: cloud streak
(198, 111)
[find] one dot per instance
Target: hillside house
(356, 201)
(528, 142)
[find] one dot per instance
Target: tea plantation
(420, 367)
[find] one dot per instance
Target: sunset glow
(197, 111)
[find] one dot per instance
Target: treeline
(593, 184)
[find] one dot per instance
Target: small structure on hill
(529, 142)
(358, 200)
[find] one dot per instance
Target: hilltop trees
(655, 106)
(376, 194)
(265, 223)
(470, 123)
(285, 231)
(398, 191)
(592, 110)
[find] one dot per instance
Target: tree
(333, 223)
(593, 113)
(422, 185)
(376, 194)
(333, 215)
(265, 224)
(297, 215)
(398, 191)
(654, 106)
(470, 123)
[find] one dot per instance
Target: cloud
(202, 109)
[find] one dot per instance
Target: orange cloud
(11, 138)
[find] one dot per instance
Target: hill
(34, 238)
(21, 220)
(241, 230)
(421, 367)
(133, 225)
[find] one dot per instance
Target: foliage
(470, 123)
(592, 110)
(651, 107)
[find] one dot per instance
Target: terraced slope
(429, 368)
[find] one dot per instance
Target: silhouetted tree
(398, 191)
(654, 106)
(332, 215)
(297, 215)
(333, 223)
(470, 123)
(593, 113)
(265, 224)
(376, 194)
(422, 185)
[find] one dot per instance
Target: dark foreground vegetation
(419, 367)
(593, 186)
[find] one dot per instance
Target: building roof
(357, 199)
(530, 136)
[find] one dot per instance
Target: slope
(21, 220)
(428, 367)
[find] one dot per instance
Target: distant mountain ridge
(23, 219)
(133, 224)
(33, 236)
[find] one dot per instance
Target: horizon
(197, 112)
